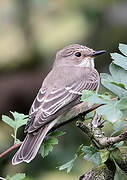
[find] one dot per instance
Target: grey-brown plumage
(73, 71)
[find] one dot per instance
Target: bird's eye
(78, 54)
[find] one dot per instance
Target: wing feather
(46, 105)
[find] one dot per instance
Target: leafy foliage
(117, 158)
(47, 145)
(18, 176)
(17, 121)
(69, 165)
(20, 120)
(89, 153)
(113, 109)
(118, 127)
(117, 81)
(92, 154)
(110, 110)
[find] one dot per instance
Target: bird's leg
(96, 121)
(96, 124)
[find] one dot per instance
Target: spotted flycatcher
(72, 71)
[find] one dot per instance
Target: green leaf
(117, 81)
(123, 48)
(119, 144)
(18, 176)
(92, 154)
(68, 166)
(116, 155)
(47, 146)
(110, 111)
(111, 87)
(93, 97)
(57, 133)
(119, 85)
(122, 104)
(20, 119)
(104, 155)
(106, 76)
(118, 126)
(79, 151)
(119, 60)
(86, 94)
(8, 121)
(119, 173)
(118, 74)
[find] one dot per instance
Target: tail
(31, 145)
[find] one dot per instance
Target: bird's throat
(87, 62)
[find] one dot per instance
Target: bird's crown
(69, 50)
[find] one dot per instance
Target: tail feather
(31, 145)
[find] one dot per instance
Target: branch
(81, 109)
(70, 116)
(106, 141)
(84, 128)
(10, 149)
(98, 137)
(88, 132)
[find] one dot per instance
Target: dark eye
(78, 54)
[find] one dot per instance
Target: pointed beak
(96, 53)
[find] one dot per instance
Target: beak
(96, 53)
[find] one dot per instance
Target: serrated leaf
(110, 111)
(68, 166)
(92, 154)
(57, 133)
(123, 48)
(119, 60)
(8, 121)
(18, 176)
(47, 146)
(93, 97)
(20, 119)
(118, 126)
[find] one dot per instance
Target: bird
(72, 71)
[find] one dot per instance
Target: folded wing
(47, 104)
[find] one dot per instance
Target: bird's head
(77, 55)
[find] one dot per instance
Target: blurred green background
(31, 31)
